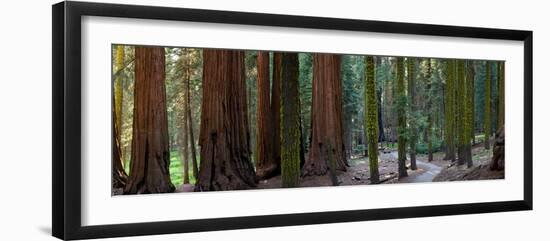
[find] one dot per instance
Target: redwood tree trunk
(276, 109)
(265, 165)
(326, 116)
(149, 166)
(190, 125)
(224, 136)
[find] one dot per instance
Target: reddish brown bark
(150, 158)
(224, 136)
(265, 165)
(276, 109)
(190, 122)
(326, 116)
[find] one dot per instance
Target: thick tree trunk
(412, 111)
(371, 119)
(276, 110)
(450, 90)
(500, 95)
(224, 136)
(461, 99)
(497, 160)
(291, 133)
(150, 161)
(265, 164)
(401, 120)
(468, 114)
(429, 105)
(326, 116)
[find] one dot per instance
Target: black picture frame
(67, 135)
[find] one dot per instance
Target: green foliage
(176, 169)
(437, 145)
(305, 80)
(251, 75)
(487, 113)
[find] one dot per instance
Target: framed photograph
(171, 120)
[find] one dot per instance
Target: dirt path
(426, 172)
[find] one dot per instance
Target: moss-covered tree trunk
(450, 105)
(326, 116)
(265, 163)
(224, 136)
(118, 89)
(461, 120)
(401, 104)
(487, 112)
(412, 111)
(500, 94)
(150, 158)
(371, 119)
(468, 114)
(291, 134)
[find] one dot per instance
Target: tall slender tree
(326, 116)
(224, 136)
(487, 113)
(413, 125)
(450, 105)
(401, 119)
(118, 86)
(429, 109)
(500, 94)
(183, 135)
(190, 120)
(461, 121)
(150, 158)
(119, 176)
(468, 113)
(371, 119)
(290, 121)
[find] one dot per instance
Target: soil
(357, 173)
(479, 171)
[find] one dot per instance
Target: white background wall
(25, 122)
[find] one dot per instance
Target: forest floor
(436, 170)
(358, 173)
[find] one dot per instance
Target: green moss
(290, 121)
(371, 118)
(401, 118)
